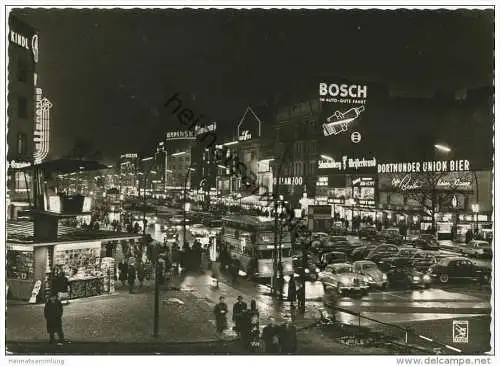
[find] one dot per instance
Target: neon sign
(289, 181)
(42, 126)
(339, 121)
(245, 135)
(180, 135)
(347, 163)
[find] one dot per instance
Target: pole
(477, 203)
(157, 299)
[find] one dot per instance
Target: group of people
(131, 270)
(276, 338)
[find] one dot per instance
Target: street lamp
(442, 148)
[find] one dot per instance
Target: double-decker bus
(251, 240)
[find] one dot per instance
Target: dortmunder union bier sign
(425, 166)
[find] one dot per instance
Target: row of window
(300, 169)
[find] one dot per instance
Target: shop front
(89, 264)
(444, 197)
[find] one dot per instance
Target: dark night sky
(108, 73)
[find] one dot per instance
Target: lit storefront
(348, 185)
(88, 259)
(412, 192)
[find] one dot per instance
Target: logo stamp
(460, 331)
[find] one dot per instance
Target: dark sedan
(458, 268)
(311, 270)
(331, 257)
(426, 243)
(403, 275)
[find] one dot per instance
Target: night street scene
(244, 182)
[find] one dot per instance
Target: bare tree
(431, 190)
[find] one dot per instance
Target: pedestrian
(301, 296)
(131, 278)
(270, 336)
(292, 291)
(123, 268)
(234, 269)
(53, 312)
(288, 336)
(220, 312)
(141, 273)
(251, 332)
(239, 308)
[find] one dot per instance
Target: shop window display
(19, 265)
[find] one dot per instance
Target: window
(22, 72)
(22, 107)
(21, 143)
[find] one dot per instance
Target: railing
(403, 338)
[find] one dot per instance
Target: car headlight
(306, 270)
(317, 270)
(384, 276)
(427, 277)
(416, 278)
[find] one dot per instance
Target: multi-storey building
(129, 164)
(23, 57)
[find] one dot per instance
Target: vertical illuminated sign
(42, 126)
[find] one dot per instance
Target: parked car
(337, 243)
(458, 268)
(344, 279)
(362, 251)
(390, 235)
(403, 274)
(426, 242)
(331, 257)
(423, 260)
(311, 270)
(374, 275)
(408, 252)
(477, 249)
(368, 232)
(382, 251)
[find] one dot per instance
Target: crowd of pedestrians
(275, 338)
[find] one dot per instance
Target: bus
(251, 240)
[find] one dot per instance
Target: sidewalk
(120, 317)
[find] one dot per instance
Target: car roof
(449, 259)
(479, 242)
(364, 262)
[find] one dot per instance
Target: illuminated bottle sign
(339, 121)
(42, 126)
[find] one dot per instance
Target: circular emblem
(355, 137)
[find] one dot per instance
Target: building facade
(129, 167)
(22, 78)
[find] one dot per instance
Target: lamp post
(475, 209)
(156, 315)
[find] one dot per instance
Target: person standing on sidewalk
(288, 336)
(131, 278)
(141, 273)
(292, 291)
(270, 336)
(239, 308)
(220, 312)
(53, 312)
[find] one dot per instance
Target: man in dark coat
(131, 278)
(53, 312)
(292, 291)
(270, 336)
(220, 312)
(288, 337)
(239, 308)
